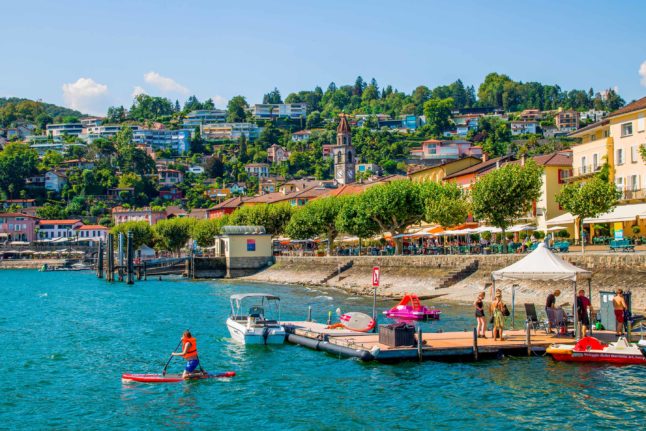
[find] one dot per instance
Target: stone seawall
(456, 277)
(29, 263)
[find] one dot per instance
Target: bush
(563, 234)
(539, 235)
(636, 230)
(486, 235)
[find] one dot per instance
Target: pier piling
(99, 261)
(475, 344)
(120, 256)
(528, 338)
(420, 344)
(110, 257)
(130, 259)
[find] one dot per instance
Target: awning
(566, 218)
(620, 213)
(541, 264)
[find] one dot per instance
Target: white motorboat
(260, 324)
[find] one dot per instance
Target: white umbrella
(553, 228)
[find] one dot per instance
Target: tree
(237, 109)
(446, 205)
(317, 217)
(205, 230)
(273, 217)
(51, 159)
(115, 114)
(588, 199)
(395, 206)
(214, 167)
(173, 234)
(142, 233)
(354, 221)
(438, 115)
(506, 194)
(273, 97)
(146, 107)
(17, 163)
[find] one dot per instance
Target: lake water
(67, 337)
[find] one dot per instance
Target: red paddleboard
(171, 378)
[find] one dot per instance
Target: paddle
(171, 357)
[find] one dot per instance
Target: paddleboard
(356, 321)
(171, 378)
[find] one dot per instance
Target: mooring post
(309, 313)
(99, 261)
(120, 256)
(528, 338)
(110, 256)
(475, 344)
(420, 343)
(129, 259)
(329, 318)
(145, 271)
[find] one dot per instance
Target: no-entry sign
(375, 276)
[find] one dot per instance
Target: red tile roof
(16, 215)
(634, 106)
(66, 221)
(230, 203)
(92, 227)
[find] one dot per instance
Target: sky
(91, 55)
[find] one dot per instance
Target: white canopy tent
(542, 264)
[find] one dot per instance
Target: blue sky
(89, 55)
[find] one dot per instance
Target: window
(583, 161)
(627, 129)
(606, 133)
(634, 183)
(640, 123)
(634, 154)
(595, 162)
(620, 157)
(619, 183)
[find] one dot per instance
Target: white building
(92, 232)
(91, 121)
(163, 139)
(523, 127)
(196, 169)
(260, 170)
(90, 133)
(54, 181)
(592, 115)
(61, 129)
(280, 110)
(54, 229)
(230, 131)
(204, 116)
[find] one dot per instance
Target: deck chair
(257, 312)
(532, 318)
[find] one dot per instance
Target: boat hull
(590, 349)
(609, 358)
(256, 335)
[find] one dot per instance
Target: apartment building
(434, 149)
(230, 131)
(17, 227)
(523, 127)
(280, 110)
(260, 170)
(93, 132)
(62, 129)
(567, 120)
(54, 229)
(163, 139)
(204, 116)
(122, 215)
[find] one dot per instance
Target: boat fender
(265, 334)
(375, 351)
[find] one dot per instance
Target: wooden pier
(435, 346)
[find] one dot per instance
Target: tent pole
(576, 315)
(513, 304)
(590, 307)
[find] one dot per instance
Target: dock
(440, 346)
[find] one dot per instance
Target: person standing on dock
(480, 315)
(619, 304)
(497, 307)
(550, 309)
(582, 305)
(189, 352)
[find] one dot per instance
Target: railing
(633, 194)
(585, 170)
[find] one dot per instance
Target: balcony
(630, 195)
(583, 171)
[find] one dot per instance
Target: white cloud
(642, 73)
(220, 101)
(86, 95)
(164, 83)
(137, 91)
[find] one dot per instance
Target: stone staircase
(458, 275)
(337, 272)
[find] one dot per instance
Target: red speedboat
(589, 349)
(409, 308)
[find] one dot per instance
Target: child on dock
(480, 315)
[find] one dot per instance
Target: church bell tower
(343, 152)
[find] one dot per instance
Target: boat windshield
(260, 306)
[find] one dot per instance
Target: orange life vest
(192, 350)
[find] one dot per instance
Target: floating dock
(441, 346)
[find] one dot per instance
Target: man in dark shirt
(582, 305)
(550, 309)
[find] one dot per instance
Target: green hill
(15, 110)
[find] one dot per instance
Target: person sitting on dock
(619, 304)
(497, 307)
(189, 352)
(582, 305)
(550, 309)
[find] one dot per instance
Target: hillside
(15, 109)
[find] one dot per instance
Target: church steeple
(343, 152)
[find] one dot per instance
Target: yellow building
(617, 140)
(437, 173)
(247, 249)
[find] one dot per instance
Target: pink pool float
(409, 308)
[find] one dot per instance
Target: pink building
(434, 149)
(17, 227)
(123, 215)
(170, 177)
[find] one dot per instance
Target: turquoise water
(67, 337)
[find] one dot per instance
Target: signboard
(619, 230)
(375, 276)
(251, 245)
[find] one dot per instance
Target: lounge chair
(533, 320)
